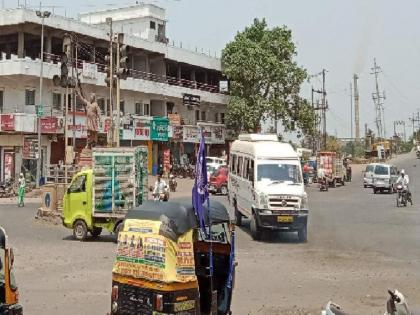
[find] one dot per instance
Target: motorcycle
(418, 154)
(403, 196)
(162, 195)
(396, 305)
(323, 184)
(7, 189)
(172, 183)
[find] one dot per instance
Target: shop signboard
(191, 134)
(138, 129)
(80, 125)
(7, 122)
(90, 70)
(26, 123)
(50, 125)
(8, 165)
(159, 129)
(177, 133)
(218, 134)
(174, 119)
(30, 148)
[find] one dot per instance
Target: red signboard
(7, 122)
(49, 125)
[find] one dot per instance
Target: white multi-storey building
(152, 97)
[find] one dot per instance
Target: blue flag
(200, 192)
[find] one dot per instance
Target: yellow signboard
(143, 252)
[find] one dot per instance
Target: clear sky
(340, 36)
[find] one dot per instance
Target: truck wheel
(96, 231)
(303, 234)
(80, 230)
(224, 190)
(255, 229)
(238, 215)
(334, 183)
(117, 230)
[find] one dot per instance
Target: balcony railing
(138, 74)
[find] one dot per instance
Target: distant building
(161, 75)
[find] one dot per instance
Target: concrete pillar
(21, 44)
(206, 78)
(147, 64)
(48, 44)
(179, 71)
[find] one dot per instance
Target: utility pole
(118, 100)
(111, 80)
(378, 101)
(351, 111)
(40, 107)
(356, 107)
(324, 110)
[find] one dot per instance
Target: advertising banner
(138, 129)
(50, 125)
(79, 126)
(30, 147)
(159, 130)
(146, 250)
(7, 122)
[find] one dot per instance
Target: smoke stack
(356, 108)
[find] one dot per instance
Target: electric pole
(351, 111)
(356, 107)
(378, 101)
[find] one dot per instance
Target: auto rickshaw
(163, 261)
(9, 294)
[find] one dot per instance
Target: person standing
(21, 190)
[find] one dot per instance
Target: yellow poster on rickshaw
(149, 250)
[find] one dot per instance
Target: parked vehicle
(9, 293)
(163, 259)
(333, 166)
(219, 181)
(368, 175)
(172, 183)
(215, 161)
(384, 178)
(7, 188)
(396, 305)
(265, 184)
(99, 198)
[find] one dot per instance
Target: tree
(265, 80)
(333, 144)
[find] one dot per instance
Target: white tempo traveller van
(266, 185)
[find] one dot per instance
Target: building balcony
(94, 74)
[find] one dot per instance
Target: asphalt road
(359, 245)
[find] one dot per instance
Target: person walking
(21, 190)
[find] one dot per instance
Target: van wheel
(238, 216)
(303, 234)
(224, 190)
(80, 230)
(96, 231)
(117, 231)
(255, 229)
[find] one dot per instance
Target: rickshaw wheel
(238, 216)
(80, 230)
(117, 230)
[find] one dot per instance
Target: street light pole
(42, 15)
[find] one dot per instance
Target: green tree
(333, 144)
(265, 80)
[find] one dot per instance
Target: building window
(197, 115)
(169, 107)
(29, 97)
(122, 107)
(56, 100)
(101, 104)
(146, 109)
(152, 25)
(203, 116)
(139, 109)
(216, 117)
(1, 100)
(222, 118)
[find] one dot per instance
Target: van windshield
(279, 172)
(369, 168)
(381, 170)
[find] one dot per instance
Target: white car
(368, 175)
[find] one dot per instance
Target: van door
(245, 186)
(77, 200)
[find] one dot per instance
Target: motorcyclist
(160, 186)
(404, 180)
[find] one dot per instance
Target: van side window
(233, 164)
(251, 170)
(245, 172)
(240, 162)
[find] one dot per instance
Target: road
(359, 245)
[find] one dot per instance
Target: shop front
(159, 134)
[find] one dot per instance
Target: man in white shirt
(160, 186)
